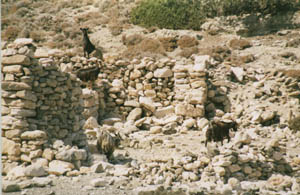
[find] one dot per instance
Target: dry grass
(11, 33)
(146, 47)
(41, 20)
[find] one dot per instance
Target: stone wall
(40, 104)
(45, 107)
(160, 87)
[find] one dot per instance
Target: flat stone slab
(16, 60)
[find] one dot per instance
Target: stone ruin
(49, 116)
(44, 107)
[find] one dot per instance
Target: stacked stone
(112, 88)
(40, 104)
(191, 89)
(90, 103)
(141, 83)
(18, 101)
(59, 107)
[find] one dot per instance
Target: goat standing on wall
(88, 46)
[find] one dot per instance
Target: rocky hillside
(159, 89)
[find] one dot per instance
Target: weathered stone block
(10, 147)
(163, 73)
(135, 114)
(132, 103)
(189, 110)
(196, 96)
(23, 112)
(12, 69)
(41, 53)
(58, 167)
(32, 135)
(147, 103)
(19, 103)
(15, 86)
(5, 110)
(16, 60)
(35, 170)
(14, 133)
(162, 112)
(27, 95)
(91, 123)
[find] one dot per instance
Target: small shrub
(294, 123)
(11, 33)
(239, 7)
(188, 52)
(132, 39)
(169, 43)
(240, 60)
(22, 11)
(190, 14)
(171, 14)
(25, 33)
(151, 45)
(239, 44)
(37, 36)
(115, 29)
(218, 53)
(59, 38)
(187, 41)
(293, 43)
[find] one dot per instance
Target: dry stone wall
(45, 107)
(159, 87)
(40, 104)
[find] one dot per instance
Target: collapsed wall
(45, 108)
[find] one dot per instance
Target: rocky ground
(257, 76)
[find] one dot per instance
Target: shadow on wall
(217, 100)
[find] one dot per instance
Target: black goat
(218, 130)
(88, 74)
(88, 46)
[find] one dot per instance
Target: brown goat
(107, 143)
(218, 130)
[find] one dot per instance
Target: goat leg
(91, 84)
